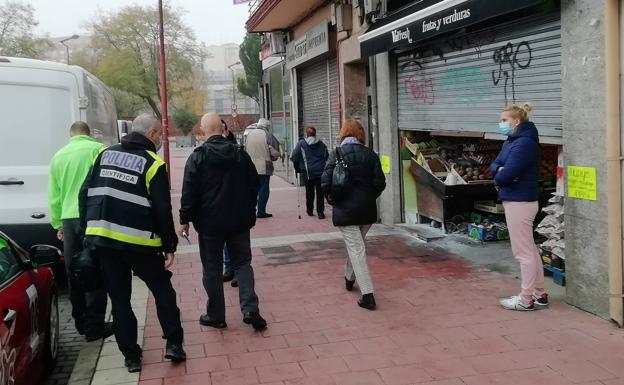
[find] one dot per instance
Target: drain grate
(278, 250)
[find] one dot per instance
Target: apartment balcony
(273, 15)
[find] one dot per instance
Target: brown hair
(351, 127)
(520, 112)
(310, 131)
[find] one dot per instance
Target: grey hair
(145, 123)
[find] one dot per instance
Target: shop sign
(432, 21)
(313, 44)
(385, 164)
(582, 182)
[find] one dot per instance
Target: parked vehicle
(39, 101)
(29, 317)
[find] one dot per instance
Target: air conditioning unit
(277, 40)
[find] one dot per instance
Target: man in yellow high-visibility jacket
(68, 170)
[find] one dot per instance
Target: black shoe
(367, 302)
(175, 352)
(349, 284)
(310, 213)
(106, 332)
(235, 282)
(265, 215)
(206, 321)
(321, 216)
(228, 276)
(255, 320)
(133, 364)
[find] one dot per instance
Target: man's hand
(169, 258)
(60, 235)
(184, 230)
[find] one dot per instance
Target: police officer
(126, 205)
(68, 169)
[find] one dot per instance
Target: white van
(39, 101)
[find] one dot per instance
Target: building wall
(312, 21)
(584, 137)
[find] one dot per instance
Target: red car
(29, 326)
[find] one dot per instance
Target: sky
(215, 22)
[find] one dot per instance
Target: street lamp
(234, 107)
(72, 37)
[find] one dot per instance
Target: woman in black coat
(356, 210)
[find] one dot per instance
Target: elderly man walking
(263, 148)
(219, 196)
(126, 205)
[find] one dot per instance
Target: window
(8, 262)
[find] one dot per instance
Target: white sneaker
(516, 303)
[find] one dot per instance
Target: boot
(367, 302)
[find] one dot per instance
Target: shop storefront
(313, 58)
(457, 65)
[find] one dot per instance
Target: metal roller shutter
(315, 93)
(334, 113)
(462, 83)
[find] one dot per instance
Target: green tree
(127, 51)
(17, 22)
(184, 120)
(128, 105)
(249, 55)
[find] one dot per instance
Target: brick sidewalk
(438, 321)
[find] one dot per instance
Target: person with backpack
(309, 158)
(352, 181)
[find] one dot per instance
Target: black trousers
(211, 253)
(313, 187)
(88, 309)
(117, 267)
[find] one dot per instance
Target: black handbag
(340, 178)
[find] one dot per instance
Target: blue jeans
(227, 262)
(263, 193)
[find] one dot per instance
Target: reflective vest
(118, 210)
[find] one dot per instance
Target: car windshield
(8, 262)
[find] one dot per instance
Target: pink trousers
(520, 217)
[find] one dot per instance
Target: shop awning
(445, 16)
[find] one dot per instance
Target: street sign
(234, 107)
(234, 114)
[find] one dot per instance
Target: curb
(86, 363)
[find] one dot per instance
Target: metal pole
(163, 90)
(67, 53)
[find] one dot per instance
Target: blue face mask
(505, 129)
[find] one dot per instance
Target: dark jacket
(309, 159)
(117, 210)
(520, 157)
(220, 188)
(367, 182)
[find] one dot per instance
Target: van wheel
(52, 334)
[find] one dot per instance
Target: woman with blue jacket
(516, 172)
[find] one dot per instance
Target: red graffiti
(421, 89)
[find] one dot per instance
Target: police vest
(118, 209)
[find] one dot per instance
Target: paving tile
(221, 347)
(281, 328)
(334, 349)
(357, 378)
(301, 353)
(404, 375)
(324, 366)
(375, 344)
(114, 376)
(453, 334)
(279, 372)
(189, 379)
(244, 376)
(306, 338)
(251, 359)
(162, 370)
(452, 368)
(157, 381)
(582, 372)
(207, 364)
(368, 361)
(259, 342)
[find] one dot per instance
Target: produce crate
(489, 207)
(482, 233)
(559, 277)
